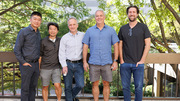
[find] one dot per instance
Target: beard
(132, 20)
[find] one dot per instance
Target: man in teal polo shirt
(99, 39)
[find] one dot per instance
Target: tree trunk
(175, 34)
(155, 44)
(172, 10)
(161, 28)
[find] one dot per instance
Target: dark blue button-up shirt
(100, 42)
(27, 47)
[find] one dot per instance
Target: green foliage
(102, 4)
(63, 28)
(114, 91)
(116, 17)
(52, 11)
(148, 93)
(85, 24)
(8, 77)
(88, 87)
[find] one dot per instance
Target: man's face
(53, 31)
(35, 21)
(132, 14)
(72, 25)
(99, 17)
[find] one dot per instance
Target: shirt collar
(103, 27)
(73, 34)
(32, 28)
(53, 40)
(49, 35)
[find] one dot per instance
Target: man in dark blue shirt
(27, 51)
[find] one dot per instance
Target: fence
(170, 60)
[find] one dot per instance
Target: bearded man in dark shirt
(134, 46)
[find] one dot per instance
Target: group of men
(44, 57)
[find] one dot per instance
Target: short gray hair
(101, 11)
(72, 18)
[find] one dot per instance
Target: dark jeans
(76, 70)
(29, 80)
(138, 74)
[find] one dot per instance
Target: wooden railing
(166, 58)
(8, 58)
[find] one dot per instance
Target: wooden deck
(90, 98)
(159, 58)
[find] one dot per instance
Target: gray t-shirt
(133, 46)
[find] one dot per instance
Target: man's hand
(65, 70)
(140, 62)
(146, 50)
(27, 64)
(86, 66)
(121, 61)
(114, 66)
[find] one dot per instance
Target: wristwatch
(115, 60)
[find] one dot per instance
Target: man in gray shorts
(49, 63)
(100, 38)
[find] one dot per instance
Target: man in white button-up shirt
(70, 57)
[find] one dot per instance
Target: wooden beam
(166, 58)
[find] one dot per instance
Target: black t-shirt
(133, 46)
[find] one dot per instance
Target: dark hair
(132, 7)
(54, 24)
(36, 13)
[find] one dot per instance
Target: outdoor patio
(154, 58)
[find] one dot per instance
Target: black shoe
(75, 99)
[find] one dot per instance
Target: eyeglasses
(130, 32)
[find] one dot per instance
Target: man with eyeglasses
(27, 52)
(134, 46)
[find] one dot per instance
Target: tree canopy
(15, 15)
(161, 16)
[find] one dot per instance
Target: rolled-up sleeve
(18, 47)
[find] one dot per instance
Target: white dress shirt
(70, 48)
